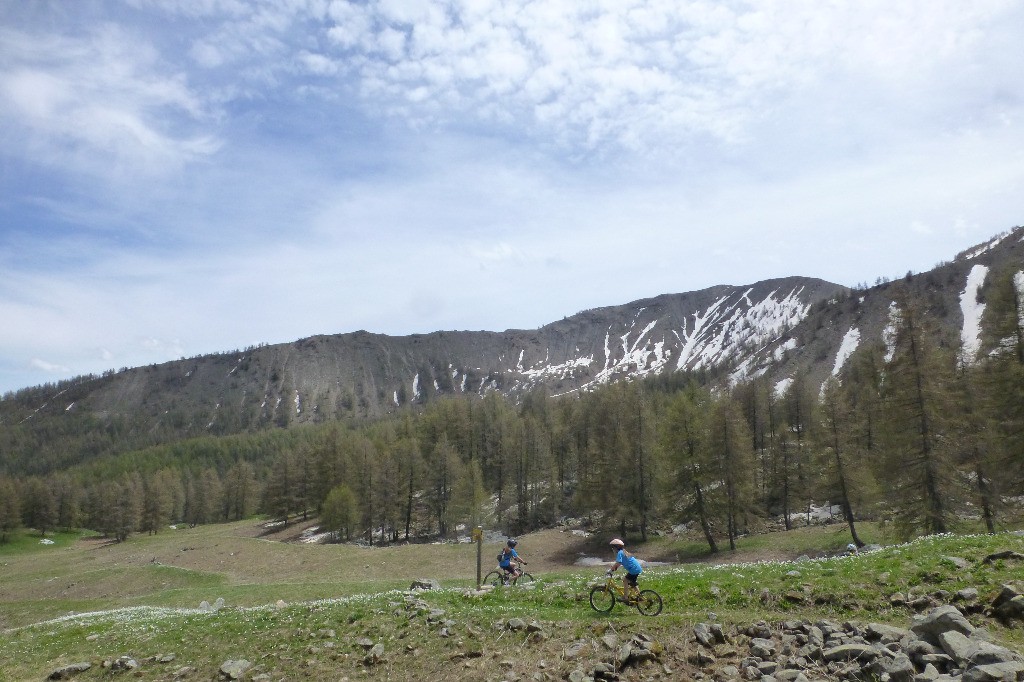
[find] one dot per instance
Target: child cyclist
(632, 566)
(509, 561)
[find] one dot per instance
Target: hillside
(773, 329)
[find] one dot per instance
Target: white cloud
(410, 166)
(48, 367)
(97, 100)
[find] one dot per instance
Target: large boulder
(939, 620)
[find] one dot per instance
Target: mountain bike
(500, 578)
(603, 598)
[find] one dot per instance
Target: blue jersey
(506, 558)
(630, 563)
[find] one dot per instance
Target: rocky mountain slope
(773, 329)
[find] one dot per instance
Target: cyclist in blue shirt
(632, 566)
(508, 559)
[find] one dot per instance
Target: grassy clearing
(338, 594)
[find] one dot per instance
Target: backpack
(501, 556)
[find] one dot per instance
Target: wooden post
(478, 535)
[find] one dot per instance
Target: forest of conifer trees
(910, 433)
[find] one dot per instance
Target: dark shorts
(507, 569)
(631, 578)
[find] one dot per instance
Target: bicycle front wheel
(649, 603)
(601, 599)
(525, 578)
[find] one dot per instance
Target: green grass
(353, 601)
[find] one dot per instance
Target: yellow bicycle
(603, 598)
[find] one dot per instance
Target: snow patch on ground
(783, 386)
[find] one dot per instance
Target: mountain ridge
(772, 330)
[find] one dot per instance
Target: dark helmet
(511, 543)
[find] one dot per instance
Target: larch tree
(684, 441)
(920, 450)
(340, 514)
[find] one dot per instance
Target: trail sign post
(478, 537)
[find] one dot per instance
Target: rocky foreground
(940, 644)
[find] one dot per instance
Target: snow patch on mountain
(970, 333)
(977, 251)
(846, 348)
(889, 332)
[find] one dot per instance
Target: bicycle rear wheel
(601, 599)
(649, 603)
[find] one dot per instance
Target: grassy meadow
(300, 611)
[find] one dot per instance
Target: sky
(182, 177)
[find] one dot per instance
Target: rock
(966, 594)
(702, 632)
(1006, 554)
(515, 624)
(68, 671)
(124, 663)
(958, 563)
(610, 641)
(365, 642)
(898, 668)
(234, 670)
(729, 672)
(574, 650)
(993, 672)
(885, 633)
(425, 584)
(957, 645)
(375, 655)
(939, 620)
(578, 676)
(850, 652)
(762, 648)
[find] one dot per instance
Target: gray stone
(966, 594)
(957, 645)
(788, 675)
(234, 670)
(959, 563)
(574, 650)
(850, 652)
(929, 674)
(898, 668)
(516, 624)
(702, 633)
(68, 671)
(375, 655)
(995, 672)
(729, 672)
(939, 620)
(762, 648)
(425, 584)
(124, 663)
(885, 633)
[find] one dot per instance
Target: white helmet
(617, 543)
